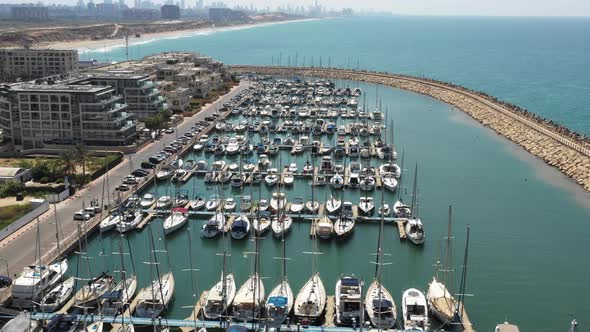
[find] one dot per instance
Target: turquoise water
(528, 253)
(538, 63)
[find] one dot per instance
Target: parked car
(130, 180)
(5, 281)
(81, 216)
(169, 131)
(123, 187)
(140, 172)
(147, 165)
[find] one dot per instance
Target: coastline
(93, 45)
(536, 135)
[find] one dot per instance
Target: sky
(420, 7)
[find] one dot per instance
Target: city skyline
(403, 7)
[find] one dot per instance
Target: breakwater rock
(557, 146)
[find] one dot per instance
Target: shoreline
(555, 145)
(85, 45)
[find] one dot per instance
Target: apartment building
(36, 116)
(139, 92)
(28, 64)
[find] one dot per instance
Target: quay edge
(569, 155)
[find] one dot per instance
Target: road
(19, 248)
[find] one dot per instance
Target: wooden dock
(401, 229)
(330, 316)
(150, 216)
(194, 316)
(228, 222)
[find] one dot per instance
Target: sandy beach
(109, 44)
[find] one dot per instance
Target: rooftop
(59, 87)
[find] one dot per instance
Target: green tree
(67, 163)
(11, 188)
(82, 157)
(166, 114)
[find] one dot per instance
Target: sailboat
(414, 227)
(311, 299)
(58, 296)
(220, 297)
(415, 310)
(378, 301)
(440, 301)
(348, 301)
(333, 205)
(240, 227)
(89, 294)
(113, 301)
(214, 225)
(154, 299)
(249, 299)
(177, 219)
(280, 300)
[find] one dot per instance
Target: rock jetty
(556, 145)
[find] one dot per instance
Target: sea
(529, 224)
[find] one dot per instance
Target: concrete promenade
(570, 156)
(19, 248)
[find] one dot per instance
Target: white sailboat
(129, 221)
(177, 219)
(249, 299)
(281, 224)
(58, 296)
(415, 310)
(110, 222)
(262, 222)
(91, 293)
(154, 299)
(214, 225)
(440, 301)
(278, 201)
(280, 300)
(311, 300)
(343, 226)
(333, 205)
(114, 301)
(220, 297)
(366, 205)
(378, 301)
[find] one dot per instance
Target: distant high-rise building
(109, 2)
(199, 4)
(122, 3)
(170, 12)
(137, 4)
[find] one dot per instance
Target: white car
(82, 216)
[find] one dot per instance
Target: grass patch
(10, 214)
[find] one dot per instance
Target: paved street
(19, 248)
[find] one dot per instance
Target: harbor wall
(556, 145)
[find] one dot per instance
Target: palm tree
(82, 156)
(67, 162)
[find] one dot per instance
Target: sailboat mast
(461, 304)
(414, 193)
(399, 185)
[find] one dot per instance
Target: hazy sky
(422, 7)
